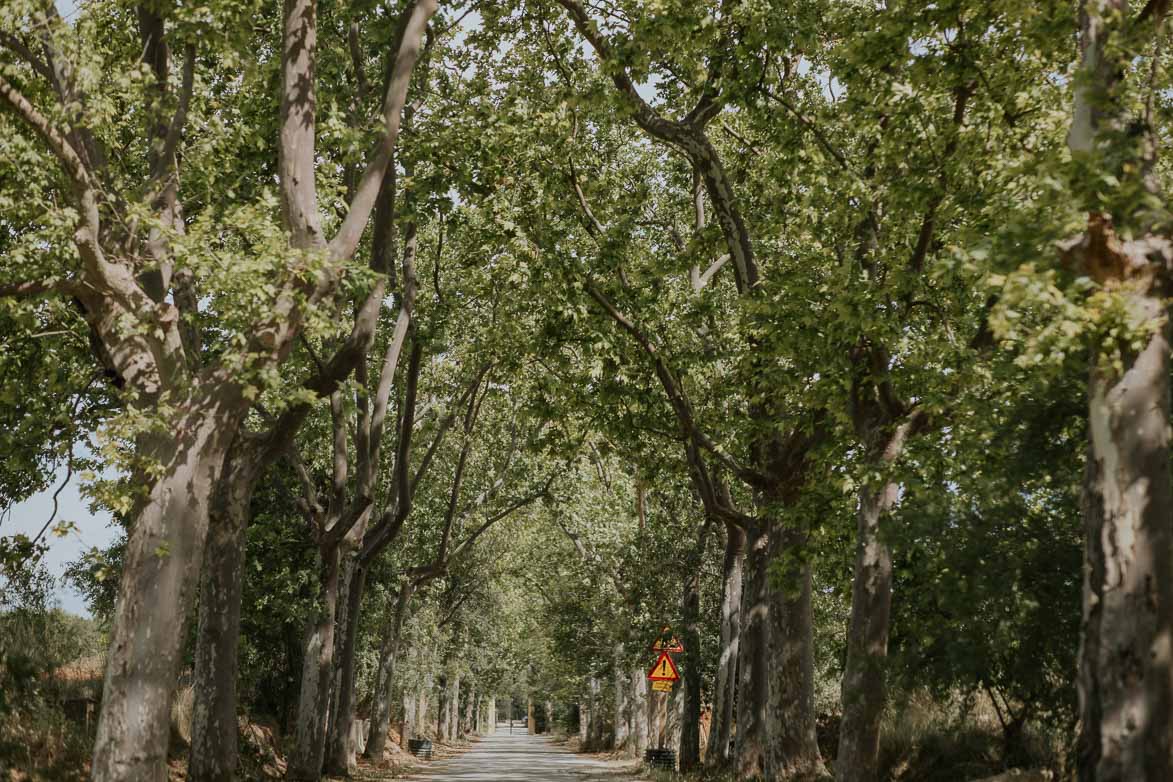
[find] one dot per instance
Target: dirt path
(501, 757)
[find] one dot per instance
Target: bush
(48, 659)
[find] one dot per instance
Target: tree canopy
(435, 356)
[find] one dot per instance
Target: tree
(1126, 703)
(131, 243)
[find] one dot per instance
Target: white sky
(92, 531)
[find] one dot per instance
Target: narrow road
(501, 757)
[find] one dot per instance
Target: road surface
(501, 757)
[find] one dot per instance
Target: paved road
(500, 757)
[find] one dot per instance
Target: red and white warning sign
(664, 670)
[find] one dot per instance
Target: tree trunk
(469, 726)
(453, 724)
(753, 659)
(794, 748)
(317, 675)
(1125, 665)
(639, 711)
(421, 701)
(342, 758)
(658, 719)
(214, 731)
(721, 730)
(385, 679)
(689, 719)
(622, 707)
(159, 578)
(584, 722)
(867, 641)
(341, 622)
(677, 704)
(443, 711)
(407, 727)
(531, 727)
(595, 731)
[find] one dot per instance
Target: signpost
(663, 676)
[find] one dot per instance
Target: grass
(926, 740)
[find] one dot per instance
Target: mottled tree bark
(678, 704)
(443, 710)
(341, 756)
(160, 574)
(1126, 651)
(317, 676)
(385, 678)
(453, 723)
(407, 727)
(595, 733)
(622, 706)
(690, 696)
(863, 688)
(753, 659)
(1126, 670)
(639, 711)
(423, 699)
(793, 745)
(658, 720)
(584, 721)
(213, 754)
(721, 730)
(469, 726)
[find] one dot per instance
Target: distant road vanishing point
(501, 757)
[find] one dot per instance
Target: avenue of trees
(434, 355)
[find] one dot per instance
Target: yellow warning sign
(663, 686)
(668, 645)
(664, 670)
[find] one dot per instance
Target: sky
(29, 516)
(93, 530)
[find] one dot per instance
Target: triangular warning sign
(664, 670)
(671, 645)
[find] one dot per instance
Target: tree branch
(675, 391)
(14, 44)
(179, 119)
(309, 502)
(356, 61)
(470, 416)
(53, 137)
(354, 514)
(34, 288)
(593, 226)
(407, 51)
(505, 513)
(444, 426)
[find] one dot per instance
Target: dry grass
(924, 740)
